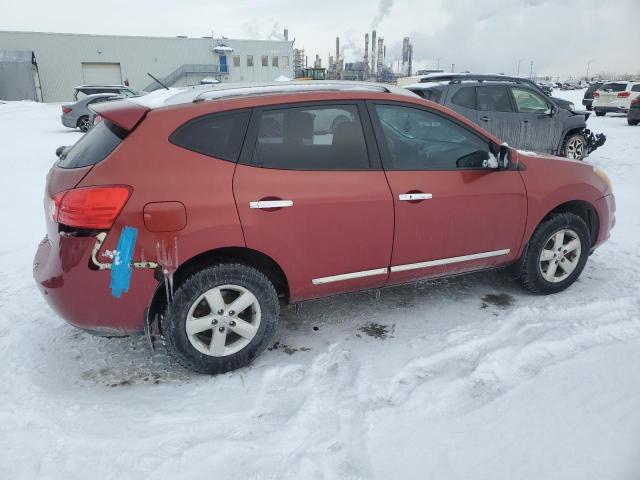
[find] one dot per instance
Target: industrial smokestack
(338, 57)
(373, 52)
(286, 35)
(366, 56)
(380, 53)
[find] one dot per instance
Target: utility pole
(453, 67)
(588, 65)
(438, 66)
(519, 62)
(531, 72)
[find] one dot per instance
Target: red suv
(202, 211)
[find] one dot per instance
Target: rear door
(542, 128)
(451, 214)
(463, 101)
(311, 194)
(496, 114)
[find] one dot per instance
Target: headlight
(604, 177)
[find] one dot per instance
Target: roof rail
(241, 90)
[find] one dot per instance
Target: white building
(65, 60)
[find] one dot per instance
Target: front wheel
(633, 123)
(557, 254)
(575, 147)
(221, 318)
(600, 113)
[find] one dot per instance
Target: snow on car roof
(176, 96)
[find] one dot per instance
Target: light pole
(519, 62)
(438, 66)
(588, 65)
(531, 71)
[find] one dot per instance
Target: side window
(249, 60)
(465, 97)
(236, 60)
(528, 101)
(265, 60)
(420, 140)
(636, 88)
(218, 135)
(311, 138)
(494, 99)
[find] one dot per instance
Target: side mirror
(61, 150)
(553, 111)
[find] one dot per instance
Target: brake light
(624, 94)
(90, 207)
(596, 94)
(66, 109)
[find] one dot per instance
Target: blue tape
(121, 266)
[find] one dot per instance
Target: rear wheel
(589, 107)
(221, 318)
(633, 123)
(600, 113)
(575, 146)
(83, 123)
(557, 254)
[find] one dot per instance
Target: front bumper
(594, 140)
(606, 209)
(587, 102)
(68, 121)
(82, 296)
(610, 109)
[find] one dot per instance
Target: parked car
(218, 206)
(546, 87)
(78, 115)
(587, 100)
(516, 112)
(633, 117)
(82, 91)
(615, 97)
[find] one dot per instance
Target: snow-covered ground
(470, 378)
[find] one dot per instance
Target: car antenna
(158, 81)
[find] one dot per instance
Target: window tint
(494, 99)
(529, 102)
(311, 138)
(94, 146)
(465, 97)
(614, 87)
(420, 140)
(219, 135)
(636, 88)
(431, 94)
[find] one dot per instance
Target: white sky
(560, 36)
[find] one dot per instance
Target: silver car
(78, 115)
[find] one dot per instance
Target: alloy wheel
(560, 255)
(576, 148)
(223, 320)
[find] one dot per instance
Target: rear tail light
(596, 94)
(90, 207)
(624, 94)
(66, 109)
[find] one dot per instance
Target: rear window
(431, 94)
(219, 135)
(94, 146)
(465, 97)
(614, 87)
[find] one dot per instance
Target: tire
(535, 275)
(600, 113)
(574, 146)
(632, 123)
(197, 349)
(83, 123)
(589, 108)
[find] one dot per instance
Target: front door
(452, 214)
(311, 197)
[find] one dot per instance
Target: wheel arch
(80, 119)
(566, 134)
(243, 255)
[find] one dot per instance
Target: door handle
(413, 197)
(266, 204)
(484, 119)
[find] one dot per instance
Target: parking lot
(463, 378)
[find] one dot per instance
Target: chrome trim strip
(349, 276)
(447, 261)
(271, 204)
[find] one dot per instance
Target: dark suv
(515, 110)
(587, 100)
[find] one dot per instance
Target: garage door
(101, 73)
